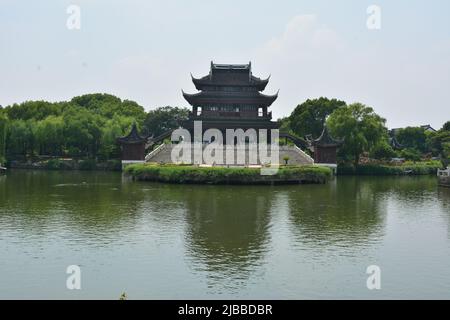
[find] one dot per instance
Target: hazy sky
(145, 51)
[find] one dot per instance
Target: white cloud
(310, 59)
(303, 34)
(301, 60)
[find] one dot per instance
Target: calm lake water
(158, 241)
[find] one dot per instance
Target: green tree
(284, 124)
(309, 117)
(360, 127)
(439, 143)
(49, 134)
(163, 119)
(86, 126)
(3, 124)
(36, 110)
(446, 126)
(382, 151)
(82, 132)
(412, 138)
(116, 127)
(20, 139)
(108, 106)
(445, 155)
(410, 154)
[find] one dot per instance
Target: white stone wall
(295, 154)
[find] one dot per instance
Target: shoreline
(67, 165)
(407, 169)
(417, 169)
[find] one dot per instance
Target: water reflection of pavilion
(227, 230)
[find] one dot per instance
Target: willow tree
(360, 127)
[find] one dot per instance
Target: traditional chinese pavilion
(325, 148)
(230, 97)
(132, 146)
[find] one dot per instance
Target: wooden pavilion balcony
(230, 115)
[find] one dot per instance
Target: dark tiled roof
(428, 127)
(325, 140)
(214, 97)
(425, 127)
(133, 136)
(230, 75)
(242, 81)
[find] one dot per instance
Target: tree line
(87, 127)
(84, 127)
(364, 132)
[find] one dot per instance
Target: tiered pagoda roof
(219, 75)
(219, 97)
(230, 84)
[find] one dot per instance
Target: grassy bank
(407, 168)
(222, 175)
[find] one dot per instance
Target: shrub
(422, 168)
(88, 164)
(382, 151)
(410, 154)
(220, 175)
(54, 164)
